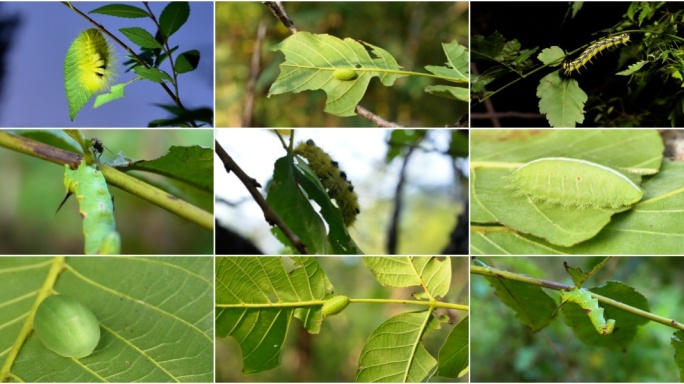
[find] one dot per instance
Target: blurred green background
(504, 350)
(33, 188)
(412, 32)
(333, 354)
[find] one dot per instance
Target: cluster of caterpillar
(595, 48)
(334, 180)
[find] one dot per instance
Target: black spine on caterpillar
(334, 181)
(584, 58)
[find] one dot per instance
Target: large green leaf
(496, 154)
(431, 273)
(561, 100)
(155, 316)
(311, 59)
(395, 352)
(625, 323)
(453, 356)
(174, 15)
(256, 298)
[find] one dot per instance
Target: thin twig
(254, 70)
(393, 232)
(251, 184)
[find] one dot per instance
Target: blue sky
(33, 90)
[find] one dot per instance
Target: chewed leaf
(323, 62)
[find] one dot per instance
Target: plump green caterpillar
(583, 298)
(335, 305)
(334, 181)
(594, 49)
(96, 208)
(575, 183)
(66, 327)
(344, 74)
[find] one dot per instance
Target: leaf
(496, 154)
(147, 308)
(141, 37)
(633, 68)
(187, 61)
(401, 338)
(121, 10)
(677, 342)
(562, 101)
(311, 59)
(551, 56)
(174, 15)
(431, 273)
(533, 306)
(625, 323)
(453, 356)
(579, 277)
(271, 289)
(454, 93)
(115, 92)
(457, 64)
(152, 74)
(192, 165)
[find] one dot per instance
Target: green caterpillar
(96, 208)
(66, 327)
(583, 298)
(344, 74)
(334, 181)
(335, 305)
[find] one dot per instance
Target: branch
(254, 70)
(251, 184)
(494, 272)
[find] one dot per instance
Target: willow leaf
(311, 59)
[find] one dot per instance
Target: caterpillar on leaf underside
(594, 48)
(335, 305)
(95, 206)
(334, 181)
(582, 297)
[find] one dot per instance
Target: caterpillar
(595, 48)
(333, 180)
(88, 68)
(583, 298)
(66, 327)
(95, 206)
(344, 74)
(575, 183)
(335, 305)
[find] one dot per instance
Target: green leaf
(533, 306)
(153, 74)
(453, 356)
(457, 64)
(677, 342)
(121, 10)
(401, 338)
(146, 307)
(625, 323)
(115, 92)
(551, 56)
(496, 154)
(311, 59)
(431, 273)
(294, 208)
(561, 100)
(141, 37)
(454, 93)
(187, 61)
(634, 68)
(192, 165)
(173, 17)
(579, 277)
(265, 281)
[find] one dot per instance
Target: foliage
(257, 312)
(526, 354)
(634, 85)
(141, 324)
(155, 50)
(504, 220)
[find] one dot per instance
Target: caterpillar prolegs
(595, 48)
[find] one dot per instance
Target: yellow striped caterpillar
(583, 298)
(594, 48)
(335, 305)
(333, 180)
